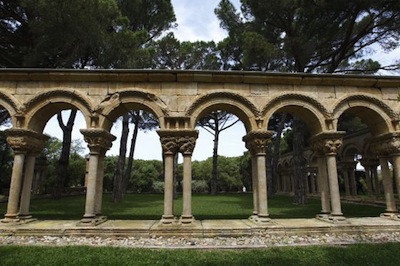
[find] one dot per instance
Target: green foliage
(76, 34)
(6, 162)
(307, 36)
(145, 175)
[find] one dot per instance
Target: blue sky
(196, 21)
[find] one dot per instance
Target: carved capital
(173, 141)
(26, 141)
(327, 143)
(98, 140)
(386, 144)
(258, 141)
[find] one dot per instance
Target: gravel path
(202, 243)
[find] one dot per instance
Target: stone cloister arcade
(179, 99)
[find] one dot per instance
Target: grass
(223, 206)
(358, 254)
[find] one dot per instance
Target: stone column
(27, 187)
(22, 142)
(396, 171)
(186, 147)
(329, 143)
(385, 146)
(99, 141)
(367, 164)
(323, 186)
(99, 186)
(388, 187)
(345, 172)
(169, 143)
(254, 181)
(256, 143)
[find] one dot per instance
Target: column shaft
(262, 189)
(168, 216)
(255, 184)
(91, 188)
(27, 187)
(396, 170)
(388, 187)
(323, 185)
(187, 189)
(99, 187)
(334, 185)
(15, 187)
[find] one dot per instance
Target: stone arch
(119, 103)
(9, 103)
(311, 111)
(378, 116)
(231, 102)
(42, 107)
(348, 151)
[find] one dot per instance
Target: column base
(261, 219)
(168, 219)
(391, 215)
(323, 215)
(253, 217)
(10, 218)
(336, 218)
(92, 220)
(187, 219)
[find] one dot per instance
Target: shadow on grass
(221, 206)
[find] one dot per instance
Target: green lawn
(359, 254)
(150, 206)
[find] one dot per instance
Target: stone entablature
(33, 96)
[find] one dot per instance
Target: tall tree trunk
(214, 171)
(128, 171)
(62, 165)
(298, 162)
(276, 153)
(119, 171)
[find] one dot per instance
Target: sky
(196, 21)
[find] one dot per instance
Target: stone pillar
(27, 187)
(329, 143)
(345, 173)
(99, 141)
(367, 164)
(385, 146)
(169, 143)
(323, 185)
(99, 186)
(256, 143)
(22, 142)
(255, 186)
(186, 146)
(388, 187)
(396, 171)
(352, 177)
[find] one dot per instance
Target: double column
(256, 143)
(326, 145)
(387, 148)
(174, 141)
(99, 142)
(26, 145)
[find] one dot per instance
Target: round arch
(121, 102)
(308, 109)
(230, 102)
(42, 107)
(374, 113)
(348, 151)
(10, 104)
